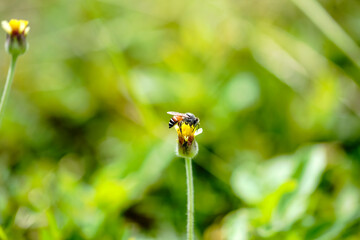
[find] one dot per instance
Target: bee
(180, 118)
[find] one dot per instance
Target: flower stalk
(190, 199)
(8, 83)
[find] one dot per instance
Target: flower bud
(187, 150)
(16, 30)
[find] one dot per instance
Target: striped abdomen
(174, 120)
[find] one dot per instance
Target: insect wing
(176, 114)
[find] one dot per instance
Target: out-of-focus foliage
(85, 151)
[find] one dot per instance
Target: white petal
(6, 26)
(27, 29)
(198, 132)
(22, 27)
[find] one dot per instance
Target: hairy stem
(190, 199)
(6, 91)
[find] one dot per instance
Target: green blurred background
(85, 149)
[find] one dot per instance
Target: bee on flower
(187, 127)
(16, 32)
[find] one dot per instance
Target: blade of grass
(317, 64)
(322, 19)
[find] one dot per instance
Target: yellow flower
(17, 31)
(187, 146)
(16, 27)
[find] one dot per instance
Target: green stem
(190, 199)
(6, 91)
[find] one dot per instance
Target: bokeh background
(85, 149)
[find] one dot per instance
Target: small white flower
(16, 31)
